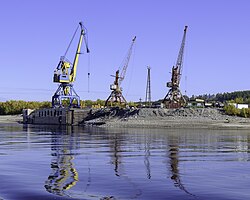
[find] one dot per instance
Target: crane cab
(62, 72)
(169, 84)
(113, 87)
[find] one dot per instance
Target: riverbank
(10, 119)
(180, 123)
(211, 118)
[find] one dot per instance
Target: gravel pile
(182, 112)
(154, 117)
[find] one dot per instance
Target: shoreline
(154, 118)
(181, 123)
(11, 119)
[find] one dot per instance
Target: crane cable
(88, 73)
(71, 42)
(86, 39)
(132, 69)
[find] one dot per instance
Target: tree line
(237, 97)
(14, 107)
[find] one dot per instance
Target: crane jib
(127, 59)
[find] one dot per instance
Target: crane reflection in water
(116, 157)
(147, 156)
(173, 154)
(64, 174)
(172, 146)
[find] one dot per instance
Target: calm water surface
(38, 162)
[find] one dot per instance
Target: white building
(239, 105)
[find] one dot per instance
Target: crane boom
(65, 71)
(74, 67)
(179, 62)
(125, 66)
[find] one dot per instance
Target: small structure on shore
(200, 103)
(239, 105)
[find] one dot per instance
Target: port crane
(174, 97)
(65, 74)
(116, 94)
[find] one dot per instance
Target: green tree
(231, 110)
(13, 107)
(239, 100)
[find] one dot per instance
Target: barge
(55, 116)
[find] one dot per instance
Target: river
(50, 162)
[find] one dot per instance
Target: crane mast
(65, 75)
(116, 91)
(174, 97)
(78, 52)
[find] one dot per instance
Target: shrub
(231, 110)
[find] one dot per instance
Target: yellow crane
(116, 96)
(65, 74)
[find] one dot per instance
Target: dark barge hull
(55, 116)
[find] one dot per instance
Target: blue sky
(34, 34)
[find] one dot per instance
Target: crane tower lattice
(148, 89)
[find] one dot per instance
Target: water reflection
(64, 174)
(118, 147)
(116, 157)
(139, 163)
(174, 165)
(242, 147)
(147, 156)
